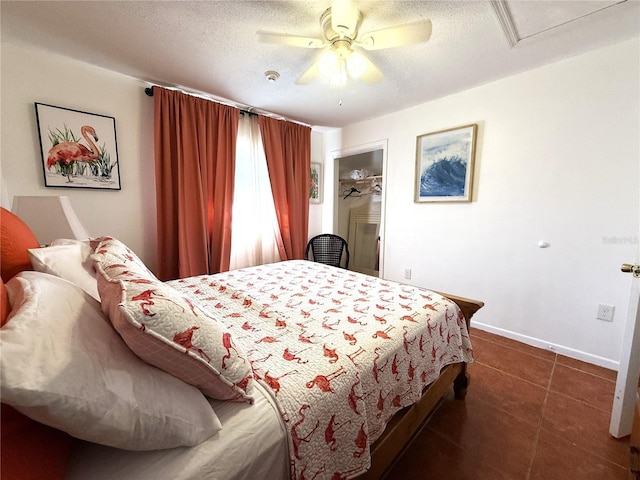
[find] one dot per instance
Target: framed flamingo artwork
(79, 149)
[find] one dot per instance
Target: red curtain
(287, 147)
(195, 141)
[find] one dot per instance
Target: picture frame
(444, 165)
(315, 185)
(79, 149)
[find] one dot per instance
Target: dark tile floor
(529, 414)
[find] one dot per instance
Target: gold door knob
(629, 268)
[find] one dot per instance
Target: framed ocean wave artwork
(444, 165)
(79, 149)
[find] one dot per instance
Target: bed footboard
(468, 307)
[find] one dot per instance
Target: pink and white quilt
(341, 352)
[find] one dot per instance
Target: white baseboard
(562, 350)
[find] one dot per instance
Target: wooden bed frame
(404, 425)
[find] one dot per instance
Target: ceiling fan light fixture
(356, 65)
(339, 76)
(339, 64)
(328, 63)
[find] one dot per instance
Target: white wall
(325, 212)
(32, 76)
(557, 159)
(316, 210)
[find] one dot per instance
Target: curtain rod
(149, 92)
(247, 111)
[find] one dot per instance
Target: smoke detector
(271, 75)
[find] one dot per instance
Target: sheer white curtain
(254, 229)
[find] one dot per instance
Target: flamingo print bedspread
(341, 352)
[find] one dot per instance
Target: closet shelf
(364, 181)
(365, 186)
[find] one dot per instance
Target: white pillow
(63, 365)
(68, 259)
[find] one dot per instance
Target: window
(254, 226)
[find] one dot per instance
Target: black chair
(328, 249)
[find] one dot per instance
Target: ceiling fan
(342, 38)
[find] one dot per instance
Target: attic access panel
(523, 20)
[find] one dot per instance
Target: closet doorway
(359, 205)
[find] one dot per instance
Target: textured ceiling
(211, 48)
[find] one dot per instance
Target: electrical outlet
(407, 273)
(605, 312)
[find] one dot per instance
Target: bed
(288, 370)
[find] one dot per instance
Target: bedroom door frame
(357, 150)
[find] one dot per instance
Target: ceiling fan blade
(344, 17)
(406, 34)
(290, 40)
